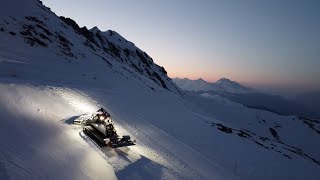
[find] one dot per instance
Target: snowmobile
(101, 128)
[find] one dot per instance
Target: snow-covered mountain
(249, 97)
(52, 72)
(62, 37)
(222, 85)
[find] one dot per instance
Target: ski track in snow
(173, 153)
(182, 152)
(144, 153)
(157, 153)
(122, 157)
(40, 143)
(118, 160)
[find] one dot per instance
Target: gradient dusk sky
(270, 44)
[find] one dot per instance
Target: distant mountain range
(303, 105)
(222, 85)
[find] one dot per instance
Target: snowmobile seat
(125, 138)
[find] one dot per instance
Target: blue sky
(266, 44)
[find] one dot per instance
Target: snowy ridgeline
(222, 85)
(46, 83)
(305, 106)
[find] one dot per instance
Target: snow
(220, 100)
(222, 85)
(34, 142)
(161, 151)
(42, 91)
(65, 145)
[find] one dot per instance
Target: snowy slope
(222, 85)
(45, 87)
(41, 29)
(162, 151)
(35, 146)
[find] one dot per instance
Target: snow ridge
(222, 85)
(61, 37)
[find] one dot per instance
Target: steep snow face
(222, 85)
(54, 37)
(126, 52)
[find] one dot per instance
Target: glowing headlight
(102, 118)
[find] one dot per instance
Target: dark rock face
(127, 52)
(142, 58)
(98, 39)
(34, 19)
(65, 45)
(274, 134)
(113, 49)
(224, 128)
(163, 70)
(32, 35)
(83, 31)
(311, 123)
(139, 61)
(159, 78)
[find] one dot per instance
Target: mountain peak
(225, 80)
(95, 29)
(200, 79)
(222, 85)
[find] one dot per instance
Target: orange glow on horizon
(246, 79)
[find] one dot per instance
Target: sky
(273, 44)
